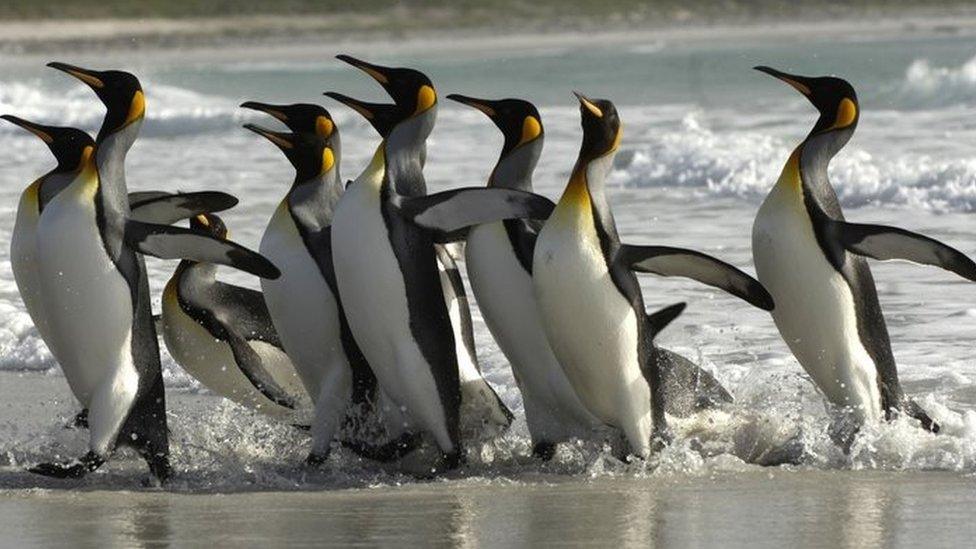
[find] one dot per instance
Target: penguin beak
(88, 76)
(589, 105)
(367, 110)
(377, 72)
(273, 110)
(482, 105)
(799, 83)
(282, 140)
(43, 132)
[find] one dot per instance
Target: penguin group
(362, 332)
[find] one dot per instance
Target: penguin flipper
(658, 320)
(668, 261)
(687, 387)
(883, 242)
(451, 211)
(166, 242)
(253, 369)
(165, 208)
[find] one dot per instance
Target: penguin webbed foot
(544, 450)
(387, 452)
(76, 468)
(915, 411)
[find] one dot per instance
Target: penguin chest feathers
(815, 306)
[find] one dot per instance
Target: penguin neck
(312, 201)
(586, 191)
(814, 156)
(406, 154)
(195, 274)
(514, 168)
(110, 153)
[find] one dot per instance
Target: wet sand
(763, 509)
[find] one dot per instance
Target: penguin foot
(544, 450)
(914, 410)
(80, 421)
(390, 451)
(315, 459)
(76, 468)
(661, 440)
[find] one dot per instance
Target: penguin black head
(70, 146)
(310, 154)
(833, 97)
(518, 120)
(601, 128)
(210, 224)
(411, 90)
(120, 91)
(299, 117)
(382, 116)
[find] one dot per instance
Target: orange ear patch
(531, 128)
(846, 113)
(323, 126)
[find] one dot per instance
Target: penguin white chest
(304, 310)
(815, 311)
(23, 260)
(88, 299)
(592, 327)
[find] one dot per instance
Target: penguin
(90, 263)
(590, 301)
(152, 207)
(223, 336)
(483, 414)
(304, 303)
(383, 236)
(813, 262)
(499, 260)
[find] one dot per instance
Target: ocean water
(705, 138)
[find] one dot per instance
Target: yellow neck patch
(323, 126)
(531, 128)
(846, 113)
(328, 160)
(576, 195)
(426, 97)
(790, 176)
(137, 109)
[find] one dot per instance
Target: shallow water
(705, 137)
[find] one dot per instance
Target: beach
(705, 138)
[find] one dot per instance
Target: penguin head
(382, 116)
(410, 89)
(71, 147)
(833, 97)
(120, 91)
(518, 120)
(299, 117)
(310, 154)
(210, 224)
(601, 128)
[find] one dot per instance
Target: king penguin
(499, 260)
(90, 265)
(813, 262)
(304, 302)
(153, 207)
(483, 414)
(383, 237)
(223, 336)
(589, 299)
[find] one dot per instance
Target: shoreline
(381, 33)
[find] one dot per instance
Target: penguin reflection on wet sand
(813, 262)
(90, 262)
(589, 299)
(223, 336)
(383, 238)
(499, 262)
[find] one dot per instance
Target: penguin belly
(303, 308)
(815, 311)
(211, 361)
(23, 262)
(88, 301)
(507, 301)
(592, 327)
(374, 293)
